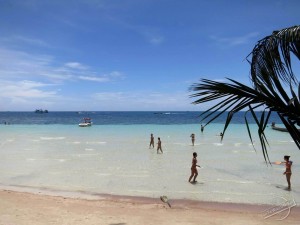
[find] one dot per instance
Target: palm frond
(272, 76)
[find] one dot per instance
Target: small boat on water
(282, 129)
(41, 111)
(86, 122)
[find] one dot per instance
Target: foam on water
(30, 159)
(116, 159)
(75, 142)
(218, 144)
(95, 142)
(52, 138)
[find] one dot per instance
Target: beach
(17, 208)
(147, 112)
(60, 173)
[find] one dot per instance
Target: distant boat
(41, 111)
(86, 122)
(282, 129)
(164, 113)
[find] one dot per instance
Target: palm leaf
(249, 132)
(271, 72)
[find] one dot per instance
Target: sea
(49, 152)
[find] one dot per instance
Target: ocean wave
(61, 160)
(30, 159)
(86, 155)
(52, 138)
(237, 144)
(74, 142)
(235, 181)
(95, 142)
(218, 144)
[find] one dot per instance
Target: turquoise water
(116, 159)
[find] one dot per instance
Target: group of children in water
(158, 144)
(194, 171)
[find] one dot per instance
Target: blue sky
(127, 54)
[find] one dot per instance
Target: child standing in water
(194, 171)
(159, 145)
(202, 128)
(151, 141)
(193, 139)
(288, 170)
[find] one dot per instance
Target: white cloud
(152, 35)
(116, 74)
(18, 64)
(234, 41)
(76, 65)
(108, 96)
(156, 40)
(97, 79)
(143, 101)
(30, 41)
(26, 95)
(24, 89)
(28, 81)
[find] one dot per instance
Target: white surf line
(52, 138)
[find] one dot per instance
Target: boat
(282, 129)
(86, 122)
(41, 111)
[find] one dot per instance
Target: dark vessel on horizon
(41, 111)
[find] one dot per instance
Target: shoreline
(21, 207)
(96, 196)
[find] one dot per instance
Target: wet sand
(20, 208)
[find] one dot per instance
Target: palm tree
(275, 87)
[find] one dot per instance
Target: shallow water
(116, 159)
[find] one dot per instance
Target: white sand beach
(17, 208)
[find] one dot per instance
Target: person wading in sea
(194, 171)
(151, 141)
(193, 139)
(159, 146)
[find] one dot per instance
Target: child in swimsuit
(193, 139)
(151, 141)
(288, 170)
(194, 171)
(159, 146)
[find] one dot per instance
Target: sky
(127, 55)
